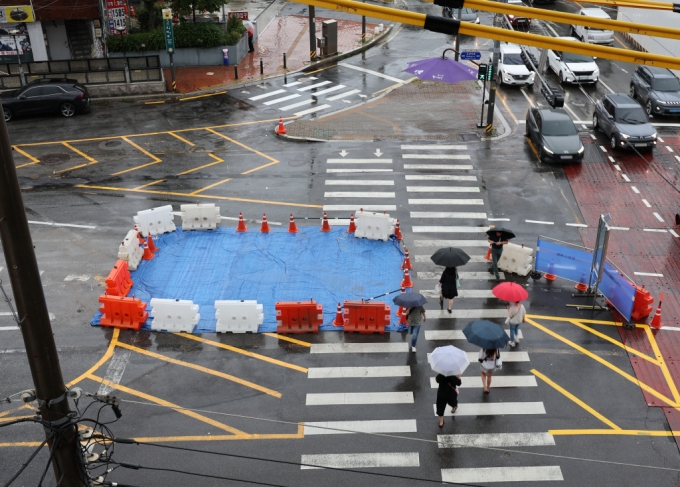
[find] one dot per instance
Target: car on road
(573, 68)
(624, 122)
(511, 67)
(658, 90)
(553, 135)
(590, 34)
(517, 22)
(46, 95)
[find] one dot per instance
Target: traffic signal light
(481, 74)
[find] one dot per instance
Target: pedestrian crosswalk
(501, 474)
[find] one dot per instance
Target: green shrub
(143, 17)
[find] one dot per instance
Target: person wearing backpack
(516, 314)
(415, 317)
(489, 361)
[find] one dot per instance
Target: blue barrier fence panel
(618, 290)
(563, 261)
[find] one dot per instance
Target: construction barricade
(174, 315)
(516, 259)
(130, 251)
(122, 312)
(118, 282)
(642, 306)
(374, 226)
(200, 217)
(363, 317)
(155, 221)
(238, 316)
(298, 317)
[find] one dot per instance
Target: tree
(185, 7)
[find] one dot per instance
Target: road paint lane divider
(238, 316)
(174, 315)
(155, 221)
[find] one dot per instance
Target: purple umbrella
(441, 69)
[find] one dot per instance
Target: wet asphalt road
(512, 185)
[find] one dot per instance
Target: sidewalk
(424, 110)
(286, 34)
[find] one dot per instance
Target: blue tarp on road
(205, 266)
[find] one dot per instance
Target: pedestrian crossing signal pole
(363, 28)
(312, 34)
(481, 75)
(492, 80)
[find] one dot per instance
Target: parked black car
(554, 135)
(658, 90)
(623, 120)
(65, 96)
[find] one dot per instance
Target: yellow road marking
(14, 410)
(217, 159)
(535, 151)
(13, 418)
(21, 443)
(135, 168)
(276, 436)
(163, 402)
(188, 195)
(26, 154)
(182, 139)
(149, 184)
(623, 374)
(107, 355)
(322, 69)
(614, 432)
(617, 343)
(200, 368)
(260, 167)
(620, 43)
(388, 88)
(288, 339)
(210, 186)
(202, 96)
(243, 145)
(662, 364)
(156, 160)
(244, 352)
(79, 152)
(154, 102)
(507, 107)
(575, 399)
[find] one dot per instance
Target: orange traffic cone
(292, 227)
(339, 320)
(265, 226)
(581, 285)
(407, 279)
(139, 236)
(400, 310)
(407, 261)
(280, 130)
(352, 226)
(656, 321)
(241, 227)
(488, 254)
(397, 232)
(148, 255)
(132, 11)
(549, 275)
(325, 227)
(152, 246)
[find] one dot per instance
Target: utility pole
(312, 34)
(492, 81)
(458, 13)
(35, 324)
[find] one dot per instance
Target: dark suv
(623, 120)
(46, 95)
(658, 89)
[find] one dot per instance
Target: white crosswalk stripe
(443, 167)
(358, 194)
(505, 355)
(457, 201)
(266, 95)
(494, 409)
(361, 460)
(316, 85)
(454, 334)
(358, 372)
(296, 105)
(462, 293)
(343, 95)
(77, 277)
(436, 156)
(356, 170)
(447, 214)
(352, 182)
(281, 100)
(312, 110)
(499, 381)
(496, 440)
(501, 474)
(356, 208)
(433, 147)
(438, 177)
(447, 229)
(474, 259)
(359, 161)
(356, 398)
(359, 347)
(442, 189)
(350, 427)
(451, 243)
(468, 313)
(329, 90)
(479, 276)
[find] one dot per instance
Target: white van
(591, 35)
(573, 68)
(511, 67)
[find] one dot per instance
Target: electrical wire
(30, 459)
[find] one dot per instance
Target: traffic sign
(470, 55)
(167, 31)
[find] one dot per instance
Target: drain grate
(55, 158)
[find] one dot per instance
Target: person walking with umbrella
(497, 238)
(451, 258)
(490, 337)
(487, 359)
(449, 362)
(513, 293)
(415, 313)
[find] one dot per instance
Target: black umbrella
(507, 234)
(486, 334)
(409, 300)
(450, 257)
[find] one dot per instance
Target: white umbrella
(448, 360)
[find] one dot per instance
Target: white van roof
(509, 48)
(595, 12)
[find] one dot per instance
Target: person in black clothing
(449, 288)
(447, 394)
(497, 242)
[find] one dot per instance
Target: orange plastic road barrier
(298, 317)
(241, 227)
(325, 227)
(339, 320)
(407, 261)
(397, 232)
(582, 285)
(122, 312)
(656, 321)
(265, 226)
(407, 279)
(281, 130)
(118, 282)
(352, 226)
(488, 254)
(362, 317)
(292, 227)
(642, 306)
(152, 246)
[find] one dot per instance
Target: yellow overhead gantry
(453, 27)
(673, 7)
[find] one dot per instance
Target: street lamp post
(14, 33)
(125, 64)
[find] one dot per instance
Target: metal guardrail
(85, 71)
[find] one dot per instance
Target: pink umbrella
(510, 291)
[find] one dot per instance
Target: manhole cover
(270, 110)
(110, 144)
(55, 158)
(296, 163)
(104, 115)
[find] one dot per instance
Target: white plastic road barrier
(130, 251)
(200, 217)
(516, 259)
(174, 315)
(155, 221)
(238, 316)
(374, 226)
